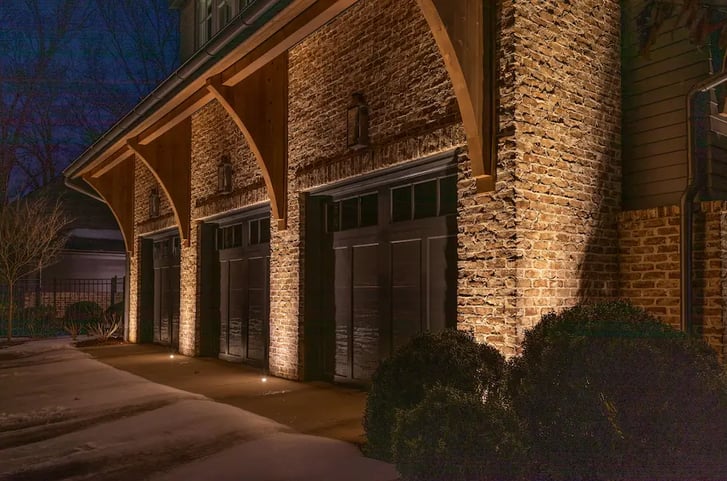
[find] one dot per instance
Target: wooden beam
(465, 33)
(169, 158)
(116, 187)
(259, 107)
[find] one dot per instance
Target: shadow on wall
(599, 269)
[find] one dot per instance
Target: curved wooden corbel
(465, 33)
(169, 158)
(259, 107)
(116, 188)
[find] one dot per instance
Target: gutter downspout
(686, 212)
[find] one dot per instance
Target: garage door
(393, 251)
(166, 291)
(244, 254)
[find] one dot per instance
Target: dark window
(254, 232)
(349, 213)
(401, 204)
(448, 195)
(333, 217)
(425, 199)
(369, 210)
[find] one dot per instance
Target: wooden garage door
(394, 268)
(244, 253)
(166, 291)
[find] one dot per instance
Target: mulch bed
(99, 342)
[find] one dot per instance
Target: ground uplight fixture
(171, 356)
(264, 379)
(357, 123)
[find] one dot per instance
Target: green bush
(451, 359)
(455, 436)
(38, 321)
(84, 312)
(607, 392)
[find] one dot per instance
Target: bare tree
(31, 236)
(36, 41)
(136, 49)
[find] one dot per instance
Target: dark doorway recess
(166, 254)
(381, 266)
(243, 253)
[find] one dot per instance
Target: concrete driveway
(66, 416)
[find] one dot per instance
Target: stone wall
(649, 270)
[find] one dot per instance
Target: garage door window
(431, 198)
(352, 213)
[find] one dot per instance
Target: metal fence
(42, 308)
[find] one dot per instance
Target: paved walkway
(67, 416)
(316, 408)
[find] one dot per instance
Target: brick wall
(649, 270)
(546, 238)
(565, 93)
(384, 50)
(144, 181)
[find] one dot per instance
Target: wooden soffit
(169, 158)
(259, 106)
(273, 39)
(116, 187)
(465, 33)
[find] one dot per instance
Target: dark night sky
(68, 70)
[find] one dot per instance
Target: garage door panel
(366, 310)
(406, 301)
(342, 309)
(224, 306)
(442, 282)
(257, 308)
(157, 306)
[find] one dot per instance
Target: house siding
(655, 129)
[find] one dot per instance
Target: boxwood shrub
(607, 392)
(456, 436)
(451, 359)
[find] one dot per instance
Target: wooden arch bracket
(465, 33)
(259, 106)
(116, 187)
(169, 158)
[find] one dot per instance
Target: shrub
(455, 436)
(38, 321)
(84, 312)
(608, 392)
(73, 328)
(102, 330)
(451, 359)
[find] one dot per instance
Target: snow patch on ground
(65, 416)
